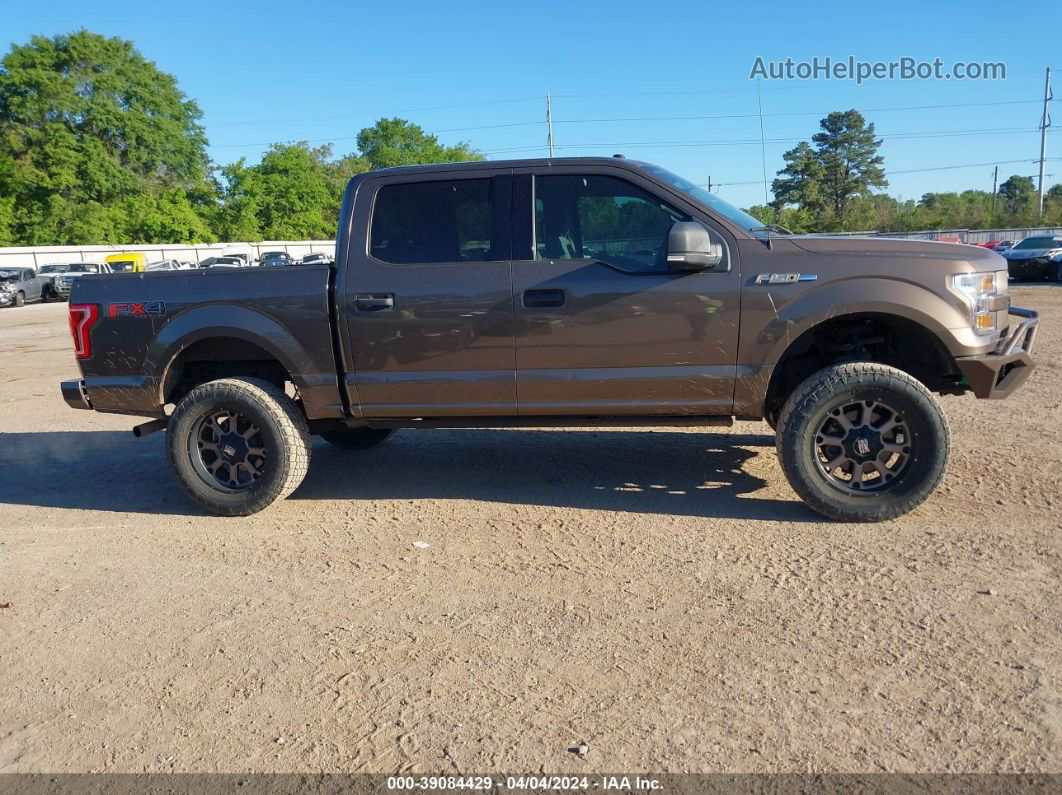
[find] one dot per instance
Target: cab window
(602, 218)
(426, 222)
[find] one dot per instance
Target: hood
(1033, 253)
(981, 258)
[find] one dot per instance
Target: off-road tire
(284, 432)
(809, 406)
(20, 299)
(356, 438)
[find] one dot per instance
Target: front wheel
(237, 445)
(862, 442)
(20, 299)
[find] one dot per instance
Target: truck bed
(151, 326)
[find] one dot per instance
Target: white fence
(965, 235)
(35, 256)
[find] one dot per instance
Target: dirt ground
(659, 594)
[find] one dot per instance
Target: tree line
(828, 185)
(97, 145)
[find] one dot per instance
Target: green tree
(1017, 195)
(848, 151)
(397, 142)
(800, 182)
(294, 193)
(88, 129)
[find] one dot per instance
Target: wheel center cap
(233, 448)
(863, 444)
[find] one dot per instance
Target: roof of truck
(523, 163)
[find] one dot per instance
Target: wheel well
(886, 339)
(226, 357)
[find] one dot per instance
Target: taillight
(82, 319)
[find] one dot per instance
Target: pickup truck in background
(574, 291)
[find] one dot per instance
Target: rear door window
(432, 222)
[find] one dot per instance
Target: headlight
(979, 291)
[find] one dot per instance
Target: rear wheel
(237, 445)
(356, 438)
(862, 442)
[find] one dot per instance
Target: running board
(547, 422)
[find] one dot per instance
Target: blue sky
(275, 71)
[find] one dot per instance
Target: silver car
(59, 278)
(20, 286)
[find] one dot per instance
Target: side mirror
(690, 248)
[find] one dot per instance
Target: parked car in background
(20, 286)
(59, 277)
(227, 262)
(127, 262)
(1037, 257)
(317, 259)
(273, 259)
(989, 244)
(165, 265)
(1003, 245)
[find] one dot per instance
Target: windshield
(54, 269)
(1040, 242)
(706, 198)
(122, 266)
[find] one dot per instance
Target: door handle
(543, 299)
(374, 302)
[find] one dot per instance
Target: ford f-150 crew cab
(558, 292)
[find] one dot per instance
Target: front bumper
(75, 395)
(1037, 267)
(995, 375)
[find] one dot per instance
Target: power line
(916, 170)
(628, 119)
(755, 141)
(792, 113)
(375, 115)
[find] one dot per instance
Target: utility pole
(549, 124)
(1045, 122)
(709, 183)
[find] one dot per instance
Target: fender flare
(224, 321)
(880, 296)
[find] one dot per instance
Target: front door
(603, 327)
(426, 296)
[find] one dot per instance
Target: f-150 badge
(784, 278)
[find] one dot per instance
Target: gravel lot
(659, 594)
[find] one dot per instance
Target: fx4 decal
(141, 309)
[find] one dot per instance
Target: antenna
(763, 145)
(549, 124)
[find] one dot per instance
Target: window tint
(602, 218)
(420, 222)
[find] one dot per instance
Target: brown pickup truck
(585, 291)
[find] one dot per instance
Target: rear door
(425, 296)
(34, 285)
(603, 327)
